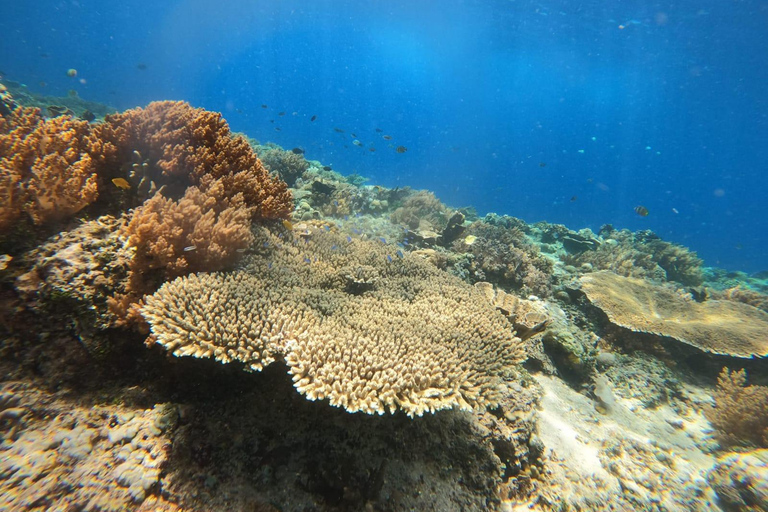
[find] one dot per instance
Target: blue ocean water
(569, 112)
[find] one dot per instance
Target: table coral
(719, 327)
(415, 339)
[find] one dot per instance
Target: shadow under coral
(249, 441)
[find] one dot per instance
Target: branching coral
(503, 256)
(46, 170)
(288, 165)
(356, 324)
(740, 412)
(641, 254)
(422, 210)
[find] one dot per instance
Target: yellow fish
(121, 183)
(470, 239)
(287, 224)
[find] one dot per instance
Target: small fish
(264, 106)
(327, 168)
(383, 240)
(573, 198)
(141, 66)
(354, 135)
(281, 114)
(641, 211)
(287, 224)
(338, 130)
(379, 130)
(334, 247)
(278, 129)
(400, 254)
(357, 142)
(312, 118)
(121, 183)
(327, 227)
(307, 260)
(386, 137)
(389, 258)
(542, 164)
(470, 239)
(401, 149)
(190, 248)
(349, 238)
(297, 151)
(71, 72)
(674, 210)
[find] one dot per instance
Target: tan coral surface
(720, 327)
(359, 323)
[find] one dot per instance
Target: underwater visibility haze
(572, 112)
(384, 256)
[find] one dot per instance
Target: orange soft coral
(203, 231)
(188, 146)
(45, 167)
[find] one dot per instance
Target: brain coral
(356, 323)
(720, 327)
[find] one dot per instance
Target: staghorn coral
(203, 230)
(719, 327)
(740, 412)
(185, 146)
(46, 170)
(409, 337)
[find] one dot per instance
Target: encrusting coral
(740, 412)
(358, 323)
(46, 168)
(719, 327)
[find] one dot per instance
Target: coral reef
(288, 165)
(719, 327)
(185, 146)
(48, 173)
(741, 481)
(422, 211)
(503, 256)
(740, 412)
(641, 254)
(203, 230)
(59, 456)
(357, 324)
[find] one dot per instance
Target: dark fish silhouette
(297, 151)
(338, 130)
(401, 149)
(386, 137)
(327, 168)
(313, 118)
(642, 211)
(141, 66)
(263, 106)
(281, 114)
